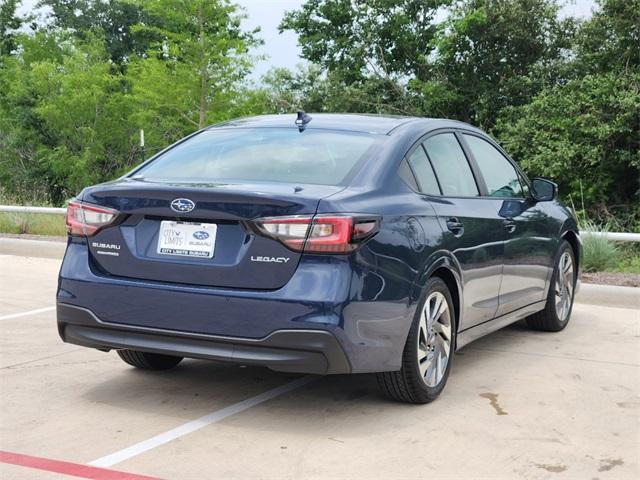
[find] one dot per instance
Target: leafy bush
(74, 93)
(583, 135)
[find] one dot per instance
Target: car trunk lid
(223, 250)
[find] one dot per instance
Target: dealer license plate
(187, 239)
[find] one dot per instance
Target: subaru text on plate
(318, 244)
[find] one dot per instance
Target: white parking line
(197, 424)
(24, 314)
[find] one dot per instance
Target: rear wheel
(428, 353)
(557, 311)
(148, 361)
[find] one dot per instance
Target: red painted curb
(68, 468)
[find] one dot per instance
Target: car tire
(423, 375)
(557, 311)
(148, 361)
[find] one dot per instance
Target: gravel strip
(612, 278)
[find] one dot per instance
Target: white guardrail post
(613, 236)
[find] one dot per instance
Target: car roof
(353, 122)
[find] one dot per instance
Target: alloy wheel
(434, 339)
(564, 286)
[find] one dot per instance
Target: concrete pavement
(519, 404)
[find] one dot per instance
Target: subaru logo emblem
(182, 205)
(200, 235)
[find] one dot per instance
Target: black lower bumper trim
(299, 351)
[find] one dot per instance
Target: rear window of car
(263, 155)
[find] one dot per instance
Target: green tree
(9, 23)
(356, 39)
(584, 135)
(201, 51)
(494, 53)
(72, 127)
(585, 132)
(113, 20)
(70, 115)
(562, 95)
(393, 55)
(314, 90)
(286, 90)
(610, 40)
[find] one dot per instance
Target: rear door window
(499, 174)
(425, 177)
(451, 166)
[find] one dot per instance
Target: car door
(473, 230)
(528, 250)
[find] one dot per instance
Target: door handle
(510, 226)
(455, 226)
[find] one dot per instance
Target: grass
(602, 255)
(599, 254)
(33, 224)
(629, 261)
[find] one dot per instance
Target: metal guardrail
(21, 209)
(614, 236)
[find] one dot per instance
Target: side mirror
(544, 190)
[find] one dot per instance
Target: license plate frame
(187, 239)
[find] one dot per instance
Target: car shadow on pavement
(197, 387)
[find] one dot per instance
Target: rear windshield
(262, 155)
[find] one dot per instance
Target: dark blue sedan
(318, 244)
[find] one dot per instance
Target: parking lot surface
(519, 404)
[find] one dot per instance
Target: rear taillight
(319, 234)
(84, 219)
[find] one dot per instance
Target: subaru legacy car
(320, 244)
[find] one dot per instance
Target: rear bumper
(358, 312)
(300, 351)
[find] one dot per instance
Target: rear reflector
(319, 234)
(84, 219)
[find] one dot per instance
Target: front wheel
(557, 311)
(428, 353)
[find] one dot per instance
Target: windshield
(262, 154)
